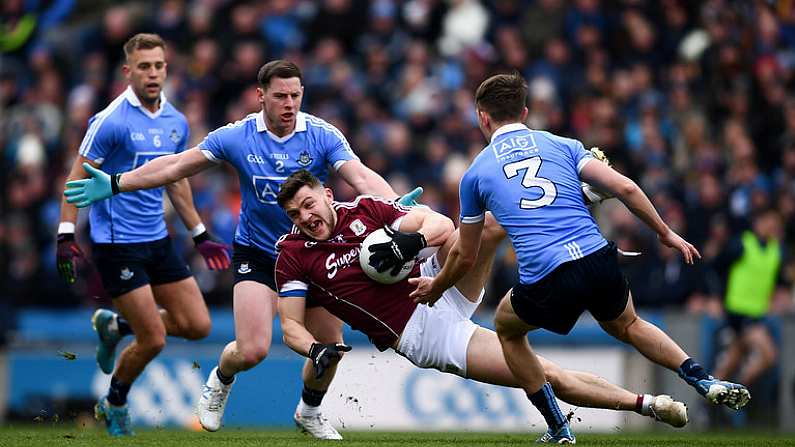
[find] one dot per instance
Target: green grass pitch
(64, 435)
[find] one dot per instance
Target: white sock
(306, 410)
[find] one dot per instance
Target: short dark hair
(279, 68)
(293, 183)
(143, 41)
(502, 96)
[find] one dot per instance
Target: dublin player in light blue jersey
(531, 181)
(130, 245)
(265, 148)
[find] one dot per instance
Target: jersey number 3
(530, 180)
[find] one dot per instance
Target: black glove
(67, 255)
(402, 248)
(323, 355)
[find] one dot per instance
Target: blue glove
(87, 191)
(410, 199)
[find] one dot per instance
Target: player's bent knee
(506, 328)
(554, 375)
(198, 329)
(563, 383)
(620, 329)
(253, 355)
(151, 346)
(508, 332)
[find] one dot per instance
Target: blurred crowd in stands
(692, 99)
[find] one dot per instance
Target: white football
(377, 237)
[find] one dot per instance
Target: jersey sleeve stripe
(583, 162)
(209, 155)
(338, 164)
(293, 294)
(473, 219)
(294, 285)
(88, 139)
(396, 224)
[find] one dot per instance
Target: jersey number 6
(531, 166)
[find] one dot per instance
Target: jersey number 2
(529, 180)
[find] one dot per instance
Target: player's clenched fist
(393, 254)
(323, 355)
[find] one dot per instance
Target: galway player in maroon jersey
(320, 260)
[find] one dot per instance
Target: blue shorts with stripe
(594, 283)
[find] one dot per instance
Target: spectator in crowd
(754, 261)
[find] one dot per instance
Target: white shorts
(437, 337)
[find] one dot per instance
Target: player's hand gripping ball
(592, 194)
(386, 277)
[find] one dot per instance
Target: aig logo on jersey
(358, 227)
(267, 188)
(506, 146)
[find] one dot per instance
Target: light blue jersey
(120, 138)
(530, 181)
(264, 160)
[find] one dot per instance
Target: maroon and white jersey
(329, 272)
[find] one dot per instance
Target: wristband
(197, 230)
(114, 183)
(66, 227)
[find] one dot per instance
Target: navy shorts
(125, 267)
(594, 283)
(253, 264)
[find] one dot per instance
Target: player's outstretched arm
(164, 170)
(436, 227)
(291, 315)
(158, 172)
(623, 188)
(365, 181)
(420, 228)
(298, 338)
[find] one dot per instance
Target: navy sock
(311, 397)
(692, 370)
(117, 394)
(226, 380)
(124, 327)
(544, 400)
